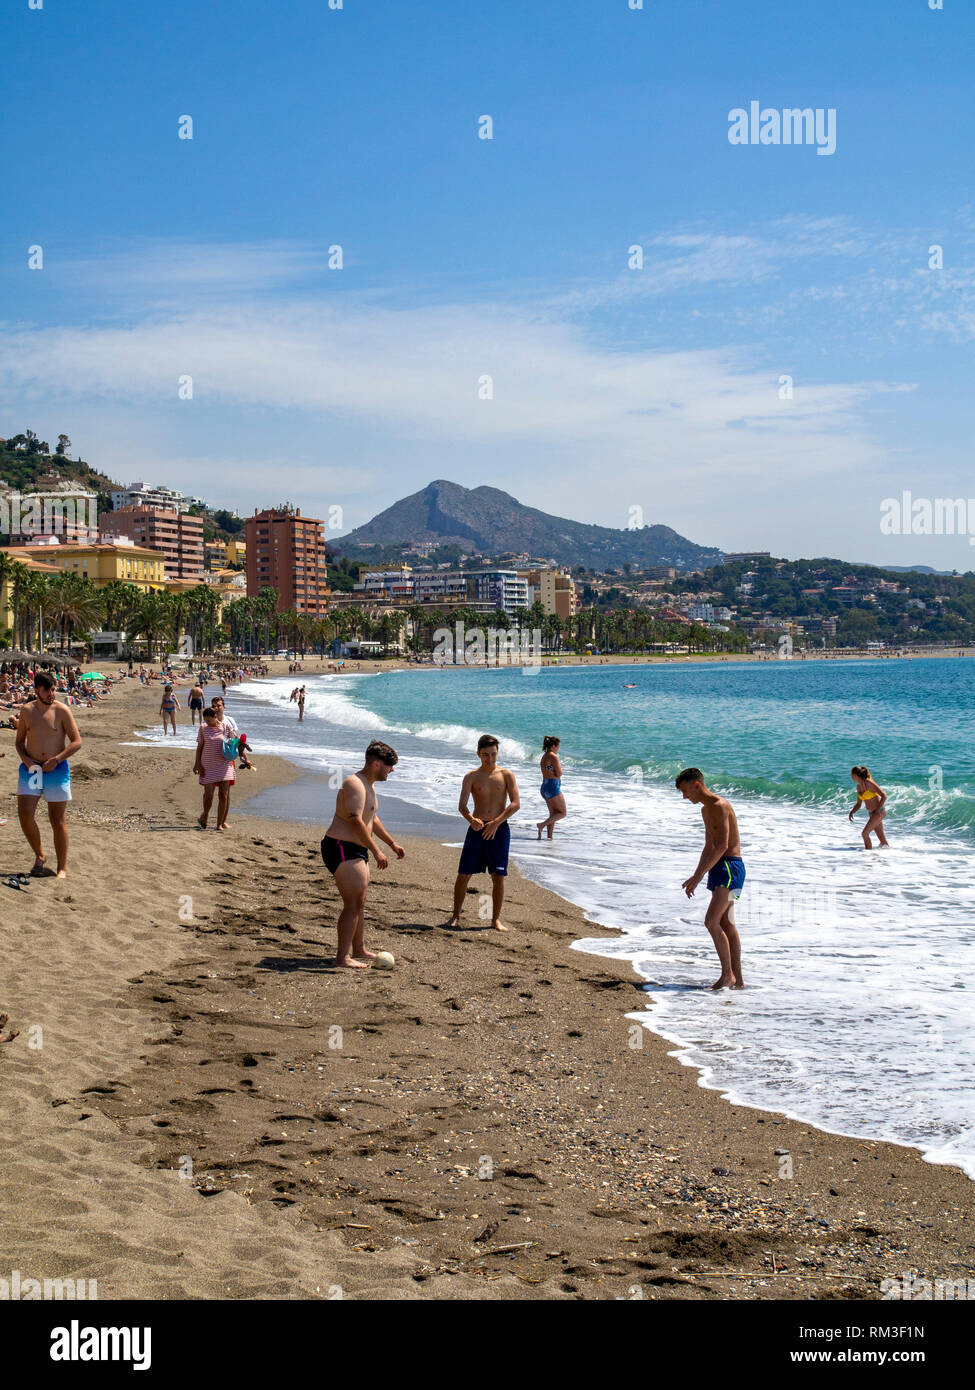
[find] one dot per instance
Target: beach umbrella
(92, 676)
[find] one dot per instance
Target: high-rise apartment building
(175, 535)
(286, 552)
(554, 589)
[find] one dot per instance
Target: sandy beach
(199, 1106)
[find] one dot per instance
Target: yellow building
(102, 564)
(236, 553)
(554, 589)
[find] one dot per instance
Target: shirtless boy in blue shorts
(722, 862)
(496, 800)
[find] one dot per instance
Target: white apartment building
(142, 495)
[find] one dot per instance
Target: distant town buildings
(286, 552)
(487, 591)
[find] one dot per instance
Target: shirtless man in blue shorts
(721, 861)
(47, 736)
(496, 800)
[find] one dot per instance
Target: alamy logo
(793, 125)
(928, 516)
(78, 1343)
(22, 1288)
(913, 1288)
(473, 646)
(47, 514)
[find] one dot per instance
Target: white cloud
(362, 398)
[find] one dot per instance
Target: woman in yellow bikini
(873, 798)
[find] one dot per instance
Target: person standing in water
(197, 701)
(301, 704)
(346, 847)
(168, 707)
(874, 799)
(721, 861)
(551, 788)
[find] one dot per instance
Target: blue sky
(507, 258)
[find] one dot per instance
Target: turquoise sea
(860, 967)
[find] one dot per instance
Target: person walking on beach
(47, 736)
(231, 727)
(346, 846)
(874, 798)
(496, 800)
(551, 785)
(214, 770)
(196, 703)
(168, 707)
(721, 861)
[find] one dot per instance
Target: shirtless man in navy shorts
(722, 862)
(496, 799)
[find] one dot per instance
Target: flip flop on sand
(14, 882)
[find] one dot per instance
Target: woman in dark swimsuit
(551, 788)
(168, 707)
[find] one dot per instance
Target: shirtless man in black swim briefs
(346, 847)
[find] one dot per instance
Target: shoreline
(211, 1041)
(370, 666)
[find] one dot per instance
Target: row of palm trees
(253, 625)
(61, 607)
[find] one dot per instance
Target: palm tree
(72, 603)
(151, 619)
(176, 610)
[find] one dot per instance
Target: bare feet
(725, 982)
(541, 826)
(7, 1035)
(454, 921)
(202, 822)
(498, 926)
(365, 955)
(62, 873)
(350, 963)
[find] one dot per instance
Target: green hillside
(25, 460)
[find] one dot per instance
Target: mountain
(486, 521)
(911, 569)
